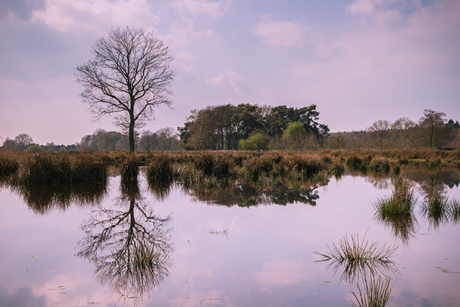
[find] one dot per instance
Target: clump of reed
(8, 165)
(401, 202)
(160, 175)
(129, 168)
(306, 166)
(438, 210)
(205, 163)
(89, 169)
(379, 165)
(353, 163)
(455, 211)
(214, 165)
(160, 169)
(359, 258)
(376, 293)
(47, 169)
(259, 165)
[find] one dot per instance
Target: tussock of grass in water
(47, 169)
(376, 293)
(130, 168)
(8, 165)
(401, 202)
(439, 210)
(359, 258)
(455, 211)
(160, 169)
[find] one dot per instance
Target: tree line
(165, 139)
(251, 127)
(432, 130)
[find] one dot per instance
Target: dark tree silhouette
(128, 77)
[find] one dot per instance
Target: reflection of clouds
(281, 273)
(22, 297)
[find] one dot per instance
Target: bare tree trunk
(131, 134)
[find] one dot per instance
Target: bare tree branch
(128, 77)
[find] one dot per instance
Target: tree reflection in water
(128, 244)
(247, 195)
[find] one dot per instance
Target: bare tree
(23, 140)
(379, 132)
(128, 77)
(433, 128)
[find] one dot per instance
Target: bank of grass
(224, 165)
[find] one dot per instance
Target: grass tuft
(359, 258)
(400, 203)
(376, 293)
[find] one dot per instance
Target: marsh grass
(376, 293)
(160, 175)
(129, 169)
(359, 258)
(8, 165)
(160, 169)
(400, 203)
(455, 211)
(379, 165)
(353, 163)
(89, 170)
(47, 169)
(438, 210)
(397, 211)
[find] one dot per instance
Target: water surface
(232, 248)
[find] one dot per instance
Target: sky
(358, 61)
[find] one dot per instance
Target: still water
(237, 248)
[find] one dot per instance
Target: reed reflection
(43, 198)
(128, 244)
(48, 181)
(359, 260)
(397, 211)
(364, 265)
(439, 211)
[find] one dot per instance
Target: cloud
(213, 8)
(281, 33)
(98, 15)
(217, 80)
(235, 81)
(363, 7)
